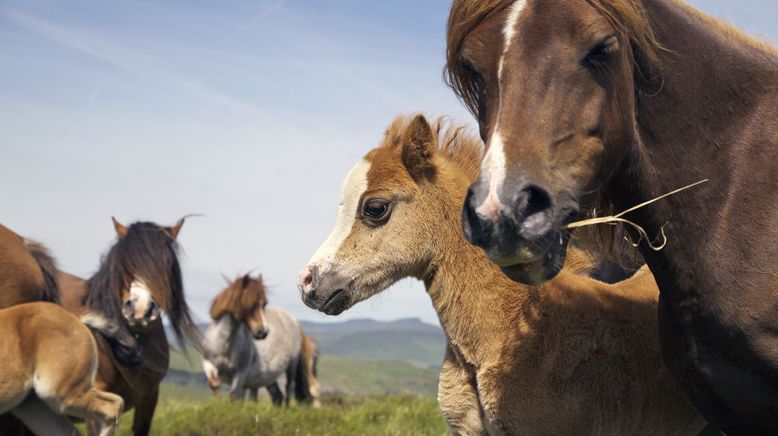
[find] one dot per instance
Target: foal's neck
(473, 298)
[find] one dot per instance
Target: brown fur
(51, 356)
(138, 385)
(679, 97)
(242, 299)
(310, 361)
(27, 271)
(573, 356)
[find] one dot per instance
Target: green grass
(338, 374)
(397, 415)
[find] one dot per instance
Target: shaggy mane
(454, 142)
(241, 298)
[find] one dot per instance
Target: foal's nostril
(127, 305)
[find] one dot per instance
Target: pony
(138, 279)
(27, 271)
(572, 356)
(250, 345)
(591, 107)
(49, 366)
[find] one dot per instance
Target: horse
(250, 345)
(591, 107)
(138, 279)
(49, 366)
(571, 356)
(27, 271)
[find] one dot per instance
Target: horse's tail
(123, 345)
(48, 268)
(306, 386)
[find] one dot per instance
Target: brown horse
(603, 104)
(27, 271)
(49, 366)
(137, 279)
(572, 356)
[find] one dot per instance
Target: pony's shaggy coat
(573, 356)
(27, 271)
(233, 357)
(49, 366)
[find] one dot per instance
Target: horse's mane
(147, 252)
(627, 16)
(454, 142)
(241, 298)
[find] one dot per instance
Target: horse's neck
(696, 121)
(473, 299)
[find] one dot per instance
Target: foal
(49, 365)
(572, 356)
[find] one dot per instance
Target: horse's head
(552, 85)
(244, 301)
(140, 278)
(396, 203)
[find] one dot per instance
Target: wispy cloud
(136, 64)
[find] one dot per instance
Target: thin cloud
(135, 64)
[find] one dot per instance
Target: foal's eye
(376, 209)
(601, 53)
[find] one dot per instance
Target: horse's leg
(144, 412)
(275, 394)
(237, 391)
(253, 394)
(102, 409)
(41, 420)
(458, 398)
(291, 372)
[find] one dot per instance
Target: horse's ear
(226, 279)
(418, 149)
(246, 281)
(177, 228)
(119, 227)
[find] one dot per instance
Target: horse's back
(21, 279)
(283, 344)
(71, 293)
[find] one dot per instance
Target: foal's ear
(418, 149)
(119, 227)
(246, 281)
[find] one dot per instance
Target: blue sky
(249, 112)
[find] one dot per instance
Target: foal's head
(244, 300)
(140, 277)
(552, 84)
(397, 203)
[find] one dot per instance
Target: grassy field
(340, 374)
(395, 415)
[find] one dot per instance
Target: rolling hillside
(359, 357)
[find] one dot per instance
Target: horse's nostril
(532, 199)
(127, 304)
(473, 224)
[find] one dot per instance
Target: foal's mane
(241, 298)
(454, 142)
(147, 252)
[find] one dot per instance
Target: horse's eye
(601, 53)
(376, 209)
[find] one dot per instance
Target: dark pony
(148, 252)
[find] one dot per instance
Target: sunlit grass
(396, 415)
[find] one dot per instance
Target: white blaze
(141, 297)
(493, 165)
(353, 187)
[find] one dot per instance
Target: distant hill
(359, 357)
(410, 340)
